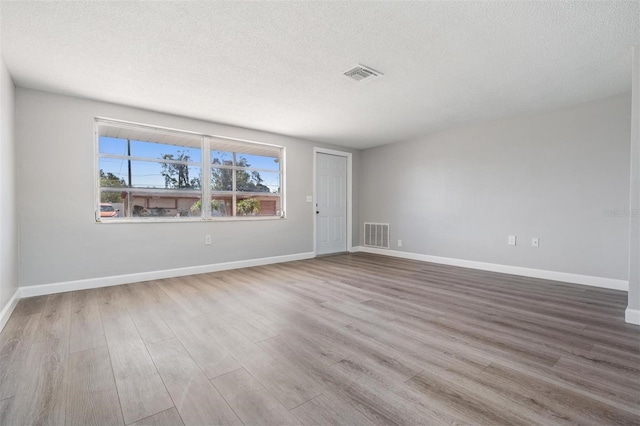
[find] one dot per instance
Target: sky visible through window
(149, 174)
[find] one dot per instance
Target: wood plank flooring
(352, 339)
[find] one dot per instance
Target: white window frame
(207, 144)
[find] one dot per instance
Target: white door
(331, 204)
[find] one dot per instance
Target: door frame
(349, 157)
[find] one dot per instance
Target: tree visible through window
(176, 175)
(109, 180)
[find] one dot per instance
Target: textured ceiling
(277, 66)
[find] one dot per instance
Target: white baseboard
(602, 282)
(8, 309)
(43, 289)
(632, 316)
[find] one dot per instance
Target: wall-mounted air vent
(376, 235)
(362, 73)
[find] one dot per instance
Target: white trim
(589, 280)
(8, 309)
(137, 125)
(43, 289)
(124, 220)
(349, 157)
(283, 183)
(632, 316)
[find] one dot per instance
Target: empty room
(319, 213)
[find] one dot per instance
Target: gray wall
(553, 175)
(8, 218)
(60, 240)
(455, 194)
(634, 203)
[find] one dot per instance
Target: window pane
(258, 161)
(271, 180)
(111, 205)
(113, 172)
(222, 157)
(112, 146)
(165, 151)
(221, 206)
(146, 174)
(112, 196)
(140, 204)
(221, 179)
(255, 181)
(258, 206)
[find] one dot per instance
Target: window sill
(190, 220)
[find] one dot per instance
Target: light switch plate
(309, 198)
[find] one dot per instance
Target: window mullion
(206, 178)
(233, 187)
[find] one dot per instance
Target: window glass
(222, 157)
(260, 161)
(258, 206)
(146, 174)
(163, 151)
(113, 146)
(221, 179)
(221, 206)
(113, 172)
(257, 181)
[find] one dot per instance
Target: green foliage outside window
(109, 180)
(216, 205)
(246, 181)
(248, 207)
(176, 176)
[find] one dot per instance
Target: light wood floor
(350, 339)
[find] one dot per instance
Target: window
(150, 173)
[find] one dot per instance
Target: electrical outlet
(535, 242)
(207, 240)
(511, 240)
(399, 243)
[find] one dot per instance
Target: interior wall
(561, 176)
(634, 198)
(60, 240)
(8, 209)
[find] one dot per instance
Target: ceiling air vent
(362, 73)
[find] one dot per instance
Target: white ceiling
(277, 66)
